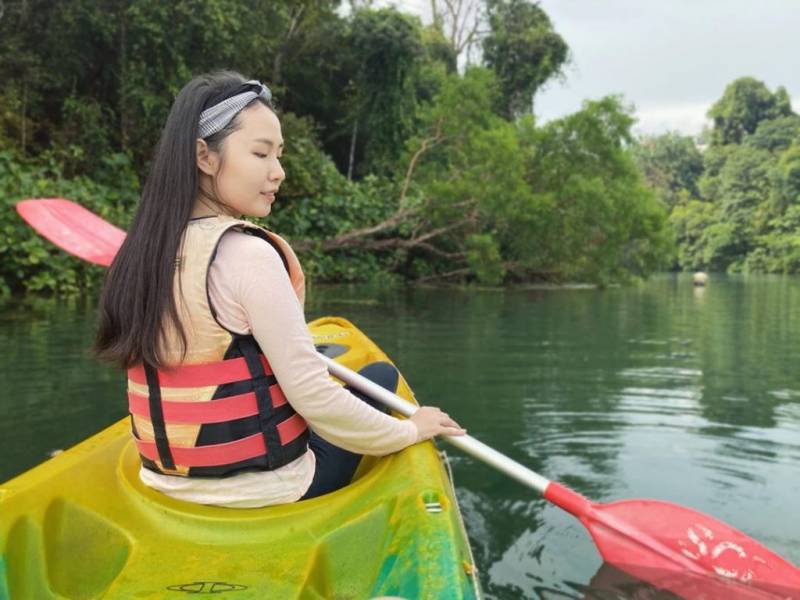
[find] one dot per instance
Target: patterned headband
(215, 118)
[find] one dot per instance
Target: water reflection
(612, 582)
(52, 393)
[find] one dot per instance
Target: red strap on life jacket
(202, 375)
(216, 410)
(228, 452)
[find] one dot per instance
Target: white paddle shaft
(465, 443)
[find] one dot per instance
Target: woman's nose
(277, 173)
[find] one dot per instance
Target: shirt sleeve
(257, 282)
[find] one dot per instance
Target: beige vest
(207, 341)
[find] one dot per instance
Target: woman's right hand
(431, 421)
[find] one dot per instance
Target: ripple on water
(789, 416)
(666, 373)
(786, 395)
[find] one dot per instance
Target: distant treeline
(735, 201)
(400, 166)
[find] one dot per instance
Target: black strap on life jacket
(261, 383)
(264, 423)
(157, 417)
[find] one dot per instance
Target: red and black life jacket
(221, 409)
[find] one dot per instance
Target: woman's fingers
(452, 431)
(448, 422)
(432, 421)
(450, 427)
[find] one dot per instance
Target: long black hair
(138, 302)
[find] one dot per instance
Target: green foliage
(438, 50)
(524, 51)
(564, 201)
(451, 177)
(471, 179)
(741, 192)
(671, 164)
(722, 248)
(785, 181)
(743, 212)
(483, 257)
(691, 220)
(744, 183)
(439, 61)
(775, 135)
(605, 223)
(776, 253)
(388, 45)
(116, 67)
(744, 105)
(311, 176)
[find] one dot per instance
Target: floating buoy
(700, 278)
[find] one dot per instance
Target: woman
(231, 405)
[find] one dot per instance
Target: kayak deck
(82, 525)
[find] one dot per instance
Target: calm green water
(663, 391)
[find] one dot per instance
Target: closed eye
(260, 155)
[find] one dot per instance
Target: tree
(603, 223)
(671, 163)
(451, 178)
(107, 75)
(690, 221)
(775, 135)
(459, 160)
(387, 45)
(746, 103)
(739, 190)
(524, 51)
(778, 248)
(785, 181)
(460, 22)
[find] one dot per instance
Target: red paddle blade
(73, 228)
(648, 538)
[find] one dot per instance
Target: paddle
(73, 228)
(646, 538)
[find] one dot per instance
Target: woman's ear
(207, 161)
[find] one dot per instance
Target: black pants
(335, 465)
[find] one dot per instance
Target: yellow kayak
(82, 525)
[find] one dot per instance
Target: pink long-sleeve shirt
(251, 293)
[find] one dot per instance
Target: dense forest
(735, 206)
(412, 153)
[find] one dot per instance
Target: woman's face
(249, 173)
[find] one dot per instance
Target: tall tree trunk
(277, 66)
(437, 18)
(24, 115)
(352, 151)
(122, 108)
(295, 21)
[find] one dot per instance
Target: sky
(670, 59)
